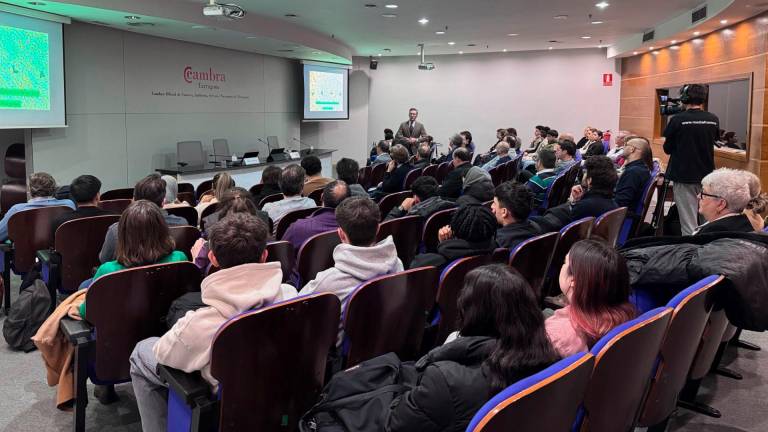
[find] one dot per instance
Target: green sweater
(113, 266)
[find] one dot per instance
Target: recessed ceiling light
(461, 52)
(696, 33)
(379, 54)
(504, 50)
(723, 22)
(439, 32)
(318, 52)
(451, 43)
(198, 27)
(391, 6)
(602, 4)
(560, 17)
(697, 41)
(655, 53)
(389, 15)
(290, 15)
(597, 22)
(674, 47)
(634, 53)
(423, 21)
(513, 34)
(673, 41)
(586, 37)
(728, 32)
(549, 48)
(132, 17)
(650, 48)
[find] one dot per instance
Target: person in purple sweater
(322, 220)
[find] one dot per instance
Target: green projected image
(326, 91)
(24, 79)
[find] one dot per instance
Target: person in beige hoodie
(245, 281)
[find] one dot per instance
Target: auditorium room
(383, 215)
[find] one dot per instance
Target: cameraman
(690, 143)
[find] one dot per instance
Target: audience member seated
(321, 221)
(592, 198)
(539, 135)
(635, 175)
(152, 189)
(502, 339)
(477, 188)
(238, 246)
(549, 141)
(270, 178)
(585, 138)
(41, 189)
(84, 191)
(467, 142)
(234, 201)
(397, 169)
(358, 258)
(565, 152)
(757, 208)
(171, 193)
(143, 238)
(616, 154)
(594, 145)
(222, 182)
(470, 233)
(501, 157)
(454, 181)
(291, 183)
(595, 281)
(425, 200)
(724, 196)
(516, 142)
(348, 170)
(314, 176)
(501, 135)
(454, 142)
(382, 154)
(227, 199)
(423, 155)
(512, 204)
(545, 176)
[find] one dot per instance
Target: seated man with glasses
(722, 199)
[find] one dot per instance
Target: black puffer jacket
(664, 266)
(453, 249)
(451, 388)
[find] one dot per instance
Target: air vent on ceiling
(699, 14)
(649, 35)
(554, 41)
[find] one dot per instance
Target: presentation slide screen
(31, 73)
(326, 92)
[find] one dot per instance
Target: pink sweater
(564, 337)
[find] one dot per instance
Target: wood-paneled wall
(740, 51)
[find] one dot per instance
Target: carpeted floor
(27, 403)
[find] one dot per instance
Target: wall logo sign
(607, 80)
(204, 77)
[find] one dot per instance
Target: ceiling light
(697, 41)
(461, 52)
(198, 27)
(673, 41)
(634, 53)
(602, 4)
(389, 15)
(318, 52)
(439, 32)
(561, 17)
(674, 47)
(132, 17)
(504, 50)
(423, 21)
(650, 48)
(655, 53)
(379, 54)
(549, 48)
(597, 22)
(723, 22)
(451, 43)
(513, 34)
(727, 32)
(696, 33)
(586, 37)
(391, 6)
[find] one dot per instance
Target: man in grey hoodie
(358, 258)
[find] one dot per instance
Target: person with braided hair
(471, 232)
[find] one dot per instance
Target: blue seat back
(546, 401)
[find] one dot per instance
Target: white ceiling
(335, 30)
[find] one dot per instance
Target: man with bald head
(637, 172)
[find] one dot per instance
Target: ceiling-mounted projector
(423, 65)
(231, 11)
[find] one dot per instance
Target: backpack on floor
(26, 315)
(358, 399)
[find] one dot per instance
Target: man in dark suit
(84, 191)
(723, 197)
(454, 181)
(411, 133)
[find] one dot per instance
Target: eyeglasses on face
(703, 194)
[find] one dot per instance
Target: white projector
(426, 66)
(223, 10)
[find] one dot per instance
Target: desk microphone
(269, 148)
(311, 147)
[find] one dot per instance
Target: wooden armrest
(78, 332)
(191, 387)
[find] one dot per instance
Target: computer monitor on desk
(277, 155)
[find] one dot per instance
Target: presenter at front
(411, 133)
